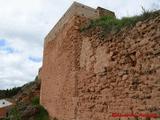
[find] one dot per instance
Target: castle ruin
(82, 79)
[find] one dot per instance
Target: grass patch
(112, 24)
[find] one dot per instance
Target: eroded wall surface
(120, 74)
(87, 78)
(59, 70)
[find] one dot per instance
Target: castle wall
(58, 73)
(85, 78)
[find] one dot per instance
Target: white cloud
(16, 69)
(24, 24)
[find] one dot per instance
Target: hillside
(27, 102)
(9, 92)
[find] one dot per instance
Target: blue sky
(25, 23)
(5, 48)
(2, 42)
(35, 59)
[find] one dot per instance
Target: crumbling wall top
(79, 10)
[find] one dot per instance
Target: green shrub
(42, 114)
(35, 101)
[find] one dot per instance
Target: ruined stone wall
(59, 70)
(120, 75)
(86, 78)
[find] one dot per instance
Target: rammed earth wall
(120, 75)
(86, 78)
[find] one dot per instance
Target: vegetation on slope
(42, 114)
(33, 111)
(112, 24)
(9, 92)
(27, 102)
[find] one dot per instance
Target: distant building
(5, 105)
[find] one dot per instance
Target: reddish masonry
(3, 112)
(86, 76)
(4, 108)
